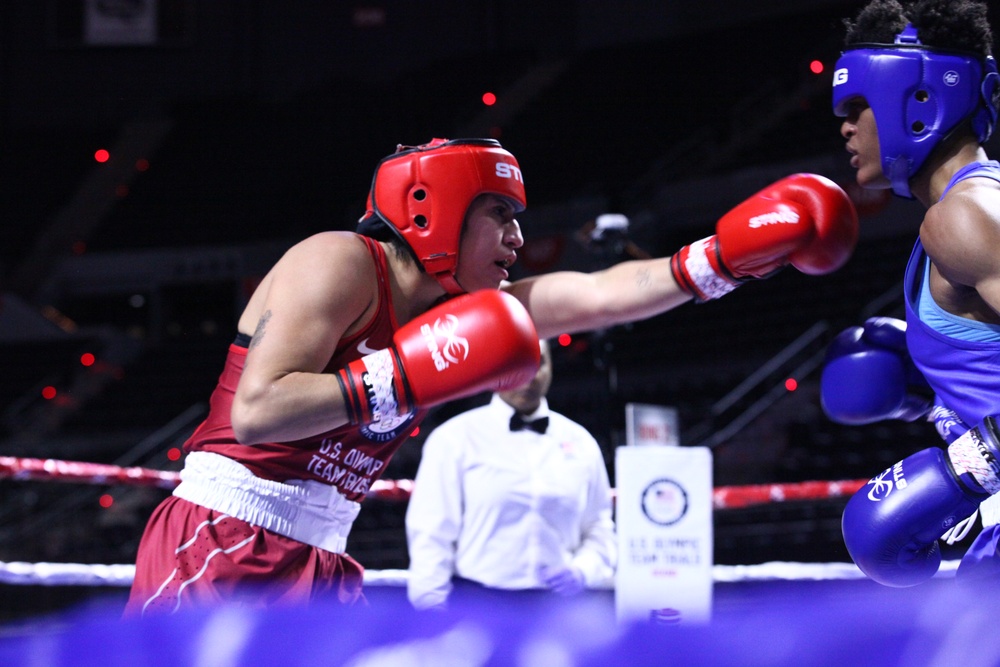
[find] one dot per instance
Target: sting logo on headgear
(424, 192)
(507, 170)
(918, 95)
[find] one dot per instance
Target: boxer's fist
(891, 526)
(869, 376)
(805, 220)
(476, 342)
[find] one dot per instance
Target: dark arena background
(151, 173)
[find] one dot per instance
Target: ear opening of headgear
(919, 96)
(423, 193)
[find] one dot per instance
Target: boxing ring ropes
(723, 498)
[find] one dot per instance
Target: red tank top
(349, 458)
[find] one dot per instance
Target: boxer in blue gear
(918, 90)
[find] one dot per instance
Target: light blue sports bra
(932, 314)
(945, 323)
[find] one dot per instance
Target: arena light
(565, 340)
(106, 500)
(816, 67)
(489, 99)
(87, 359)
(791, 384)
(49, 392)
(102, 155)
(174, 454)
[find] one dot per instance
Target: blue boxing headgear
(918, 95)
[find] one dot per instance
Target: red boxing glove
(804, 220)
(476, 342)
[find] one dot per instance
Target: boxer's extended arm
(804, 220)
(569, 301)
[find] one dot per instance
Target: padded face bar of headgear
(424, 192)
(918, 95)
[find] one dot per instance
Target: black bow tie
(519, 423)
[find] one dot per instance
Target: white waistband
(304, 510)
(989, 511)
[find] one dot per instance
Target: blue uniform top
(965, 374)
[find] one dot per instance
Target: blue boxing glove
(868, 376)
(891, 526)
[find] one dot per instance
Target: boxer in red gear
(348, 340)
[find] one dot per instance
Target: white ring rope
(78, 574)
(65, 574)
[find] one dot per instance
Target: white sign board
(650, 425)
(664, 524)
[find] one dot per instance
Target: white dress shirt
(502, 508)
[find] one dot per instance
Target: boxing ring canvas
(765, 623)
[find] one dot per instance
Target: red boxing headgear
(424, 192)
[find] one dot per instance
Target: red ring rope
(723, 497)
(54, 470)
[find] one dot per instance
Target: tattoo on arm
(258, 334)
(643, 279)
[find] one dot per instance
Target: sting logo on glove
(787, 217)
(882, 487)
(455, 348)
